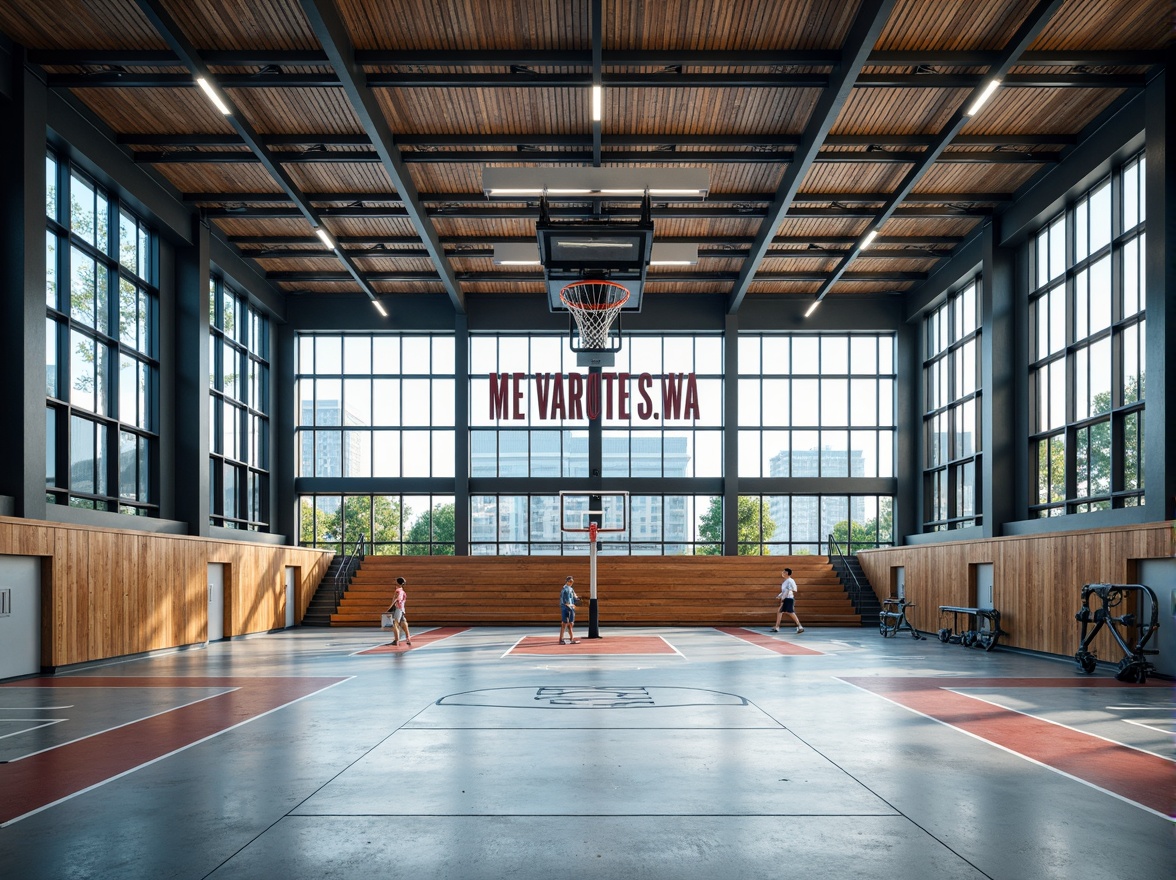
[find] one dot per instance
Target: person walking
(396, 609)
(567, 612)
(787, 597)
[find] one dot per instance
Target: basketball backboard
(578, 509)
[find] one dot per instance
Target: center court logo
(592, 697)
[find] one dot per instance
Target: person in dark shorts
(567, 612)
(787, 597)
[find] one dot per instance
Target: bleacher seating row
(631, 590)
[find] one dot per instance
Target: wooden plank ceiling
(733, 87)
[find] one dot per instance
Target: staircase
(324, 602)
(865, 601)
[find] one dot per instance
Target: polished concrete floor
(675, 753)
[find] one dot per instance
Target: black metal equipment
(984, 635)
(1133, 667)
(892, 618)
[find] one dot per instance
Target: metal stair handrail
(350, 562)
(835, 546)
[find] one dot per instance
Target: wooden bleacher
(632, 590)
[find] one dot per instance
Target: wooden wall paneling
(1037, 579)
(109, 593)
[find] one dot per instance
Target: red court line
(1145, 779)
(426, 638)
(32, 783)
(607, 645)
(762, 640)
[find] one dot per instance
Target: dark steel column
(22, 307)
(908, 367)
(461, 434)
(1000, 409)
(190, 343)
(1160, 262)
(731, 435)
(283, 463)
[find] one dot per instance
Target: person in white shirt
(787, 597)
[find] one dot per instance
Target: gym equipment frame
(892, 618)
(984, 635)
(1134, 667)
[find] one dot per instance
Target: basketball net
(594, 304)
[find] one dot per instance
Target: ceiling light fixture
(206, 87)
(691, 183)
(662, 254)
(379, 308)
(984, 96)
(597, 101)
(325, 236)
(870, 236)
(812, 308)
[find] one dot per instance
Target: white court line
(512, 647)
(1017, 754)
(46, 722)
(962, 692)
(124, 724)
(128, 772)
(1148, 726)
(388, 644)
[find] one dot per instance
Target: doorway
(291, 595)
(980, 591)
(898, 582)
(216, 601)
(20, 616)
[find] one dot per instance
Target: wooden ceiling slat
(257, 24)
(749, 26)
(74, 24)
(678, 29)
(466, 24)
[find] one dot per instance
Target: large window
(816, 406)
(660, 404)
(389, 525)
(657, 525)
(375, 406)
(101, 369)
(951, 412)
(801, 525)
(1087, 326)
(238, 376)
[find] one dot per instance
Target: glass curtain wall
(817, 420)
(952, 412)
(238, 423)
(660, 408)
(102, 368)
(1087, 326)
(371, 409)
(815, 407)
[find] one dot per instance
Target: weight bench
(983, 634)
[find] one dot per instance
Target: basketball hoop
(594, 304)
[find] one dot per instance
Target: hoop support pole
(593, 610)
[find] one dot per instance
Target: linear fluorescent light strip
(207, 88)
(606, 182)
(664, 254)
(870, 236)
(325, 236)
(597, 100)
(984, 96)
(812, 308)
(379, 308)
